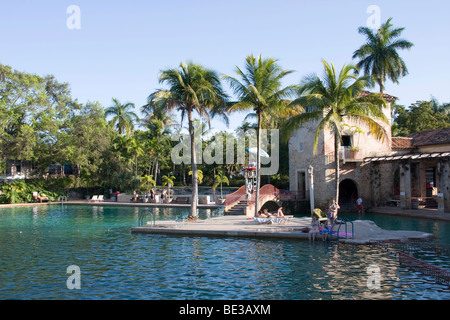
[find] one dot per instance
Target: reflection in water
(116, 264)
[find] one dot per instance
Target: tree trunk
(194, 167)
(336, 159)
(156, 168)
(258, 163)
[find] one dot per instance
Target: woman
(314, 228)
(332, 211)
(280, 213)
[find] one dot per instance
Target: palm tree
(379, 57)
(259, 89)
(199, 176)
(219, 179)
(148, 181)
(123, 117)
(192, 88)
(335, 99)
(169, 181)
(158, 122)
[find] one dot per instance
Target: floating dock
(364, 231)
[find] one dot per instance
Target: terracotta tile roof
(430, 137)
(385, 96)
(402, 143)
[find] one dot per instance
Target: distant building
(398, 170)
(16, 170)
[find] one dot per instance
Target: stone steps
(238, 209)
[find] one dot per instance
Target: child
(359, 202)
(325, 231)
(314, 228)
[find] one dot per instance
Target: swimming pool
(38, 244)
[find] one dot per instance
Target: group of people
(151, 196)
(324, 230)
(266, 214)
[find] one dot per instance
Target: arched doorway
(348, 193)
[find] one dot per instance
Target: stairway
(237, 209)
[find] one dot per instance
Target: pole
(311, 187)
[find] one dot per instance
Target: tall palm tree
(332, 100)
(192, 88)
(259, 89)
(158, 122)
(379, 57)
(123, 117)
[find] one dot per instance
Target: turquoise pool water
(440, 229)
(37, 244)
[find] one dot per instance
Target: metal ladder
(62, 199)
(143, 214)
(342, 221)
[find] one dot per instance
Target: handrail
(236, 196)
(62, 199)
(241, 194)
(142, 216)
(345, 223)
(266, 190)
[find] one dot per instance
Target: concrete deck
(241, 226)
(413, 213)
(113, 203)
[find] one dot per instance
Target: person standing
(359, 204)
(332, 212)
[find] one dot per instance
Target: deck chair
(320, 215)
(100, 198)
(94, 198)
(268, 220)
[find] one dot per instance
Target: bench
(181, 200)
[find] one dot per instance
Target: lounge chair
(320, 215)
(268, 220)
(100, 198)
(94, 198)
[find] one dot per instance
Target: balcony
(346, 154)
(349, 154)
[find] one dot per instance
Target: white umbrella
(262, 153)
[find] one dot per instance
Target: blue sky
(122, 45)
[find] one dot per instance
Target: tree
(158, 122)
(199, 176)
(420, 116)
(123, 118)
(148, 182)
(379, 57)
(259, 89)
(334, 99)
(219, 179)
(192, 88)
(169, 181)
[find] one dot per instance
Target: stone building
(391, 171)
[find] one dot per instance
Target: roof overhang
(409, 156)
